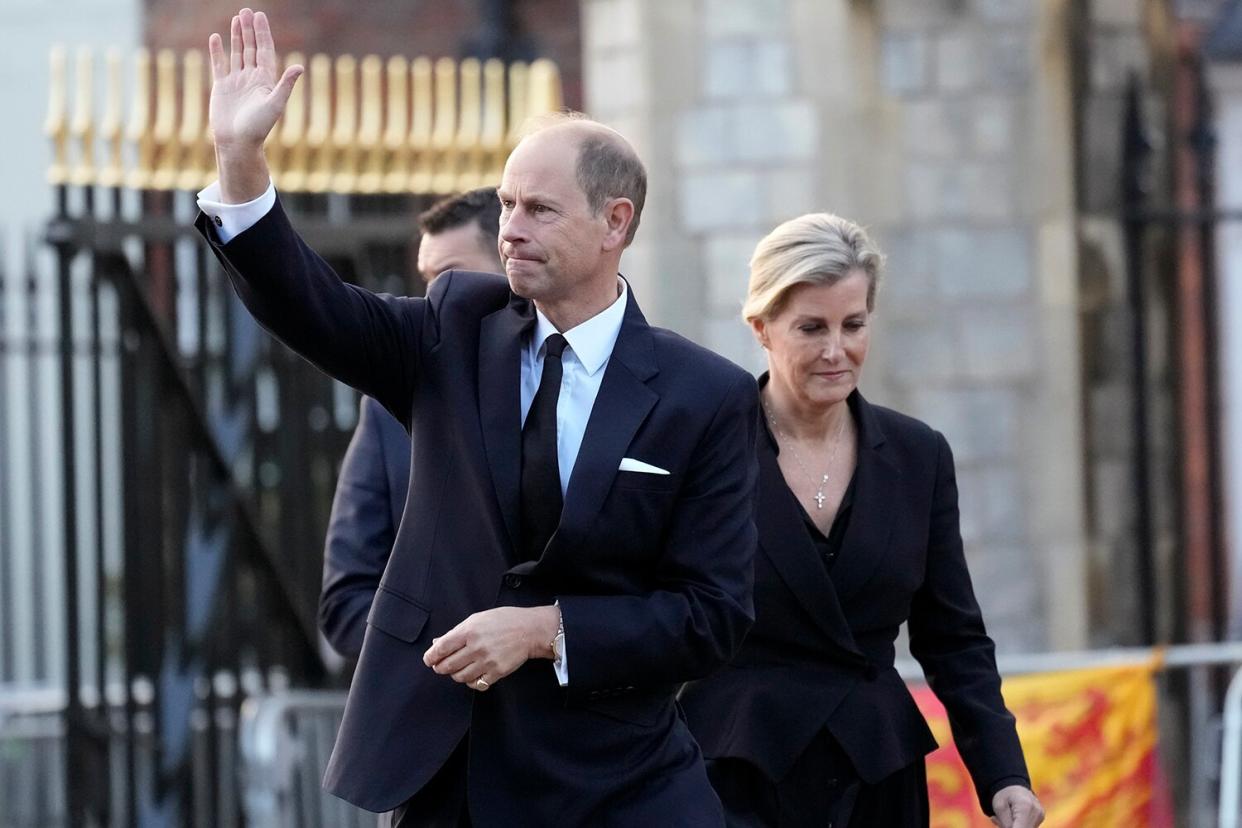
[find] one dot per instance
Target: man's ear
(618, 214)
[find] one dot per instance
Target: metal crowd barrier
(286, 739)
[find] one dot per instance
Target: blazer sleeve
(700, 606)
(369, 341)
(948, 638)
(360, 535)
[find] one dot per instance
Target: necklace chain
(819, 491)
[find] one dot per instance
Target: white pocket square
(630, 464)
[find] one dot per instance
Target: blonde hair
(812, 249)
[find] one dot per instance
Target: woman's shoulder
(905, 433)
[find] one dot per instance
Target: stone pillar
(944, 126)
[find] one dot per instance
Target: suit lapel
(623, 403)
(783, 538)
(866, 543)
(500, 403)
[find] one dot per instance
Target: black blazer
(822, 649)
(653, 572)
(366, 511)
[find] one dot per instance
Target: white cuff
(231, 220)
(561, 665)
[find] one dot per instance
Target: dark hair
(607, 168)
(480, 206)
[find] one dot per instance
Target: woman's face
(818, 342)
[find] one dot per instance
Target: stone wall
(944, 125)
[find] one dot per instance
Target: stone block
(747, 68)
(909, 273)
(747, 18)
(705, 136)
(990, 192)
(1114, 55)
(728, 269)
(934, 128)
(611, 24)
(731, 339)
(720, 200)
(981, 424)
(1009, 58)
(997, 343)
(1005, 11)
(617, 82)
(789, 192)
(957, 61)
(907, 14)
(936, 190)
(905, 61)
(975, 263)
(992, 124)
(920, 352)
(779, 131)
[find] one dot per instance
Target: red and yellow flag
(1090, 743)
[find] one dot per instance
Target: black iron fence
(166, 472)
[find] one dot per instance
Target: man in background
(458, 233)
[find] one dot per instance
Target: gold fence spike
(545, 87)
(519, 94)
(319, 133)
(196, 162)
(371, 126)
(167, 146)
(82, 128)
(397, 127)
(422, 116)
(492, 133)
(444, 129)
(56, 127)
(345, 125)
(111, 174)
(139, 128)
(469, 126)
(293, 153)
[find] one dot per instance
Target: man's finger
(443, 646)
(235, 44)
(247, 28)
(1004, 815)
(456, 661)
(219, 62)
(470, 674)
(282, 91)
(265, 47)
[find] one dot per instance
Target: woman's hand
(1017, 807)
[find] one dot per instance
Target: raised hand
(247, 97)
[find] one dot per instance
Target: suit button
(513, 581)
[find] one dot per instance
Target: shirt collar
(593, 340)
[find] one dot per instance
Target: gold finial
(423, 161)
(112, 174)
(345, 126)
(444, 130)
(82, 130)
(139, 128)
(470, 126)
(371, 126)
(319, 132)
(492, 136)
(519, 95)
(396, 130)
(56, 126)
(165, 128)
(545, 87)
(293, 150)
(196, 164)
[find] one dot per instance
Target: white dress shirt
(590, 347)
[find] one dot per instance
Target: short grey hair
(812, 249)
(607, 166)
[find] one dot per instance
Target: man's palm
(247, 93)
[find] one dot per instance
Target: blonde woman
(858, 532)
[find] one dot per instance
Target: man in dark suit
(456, 233)
(582, 489)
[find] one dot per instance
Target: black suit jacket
(822, 650)
(653, 572)
(366, 511)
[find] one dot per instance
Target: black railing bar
(201, 433)
(1172, 215)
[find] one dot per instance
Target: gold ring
(481, 683)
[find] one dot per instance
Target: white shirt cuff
(231, 220)
(561, 665)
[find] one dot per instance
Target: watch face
(558, 647)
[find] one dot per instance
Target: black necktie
(541, 473)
